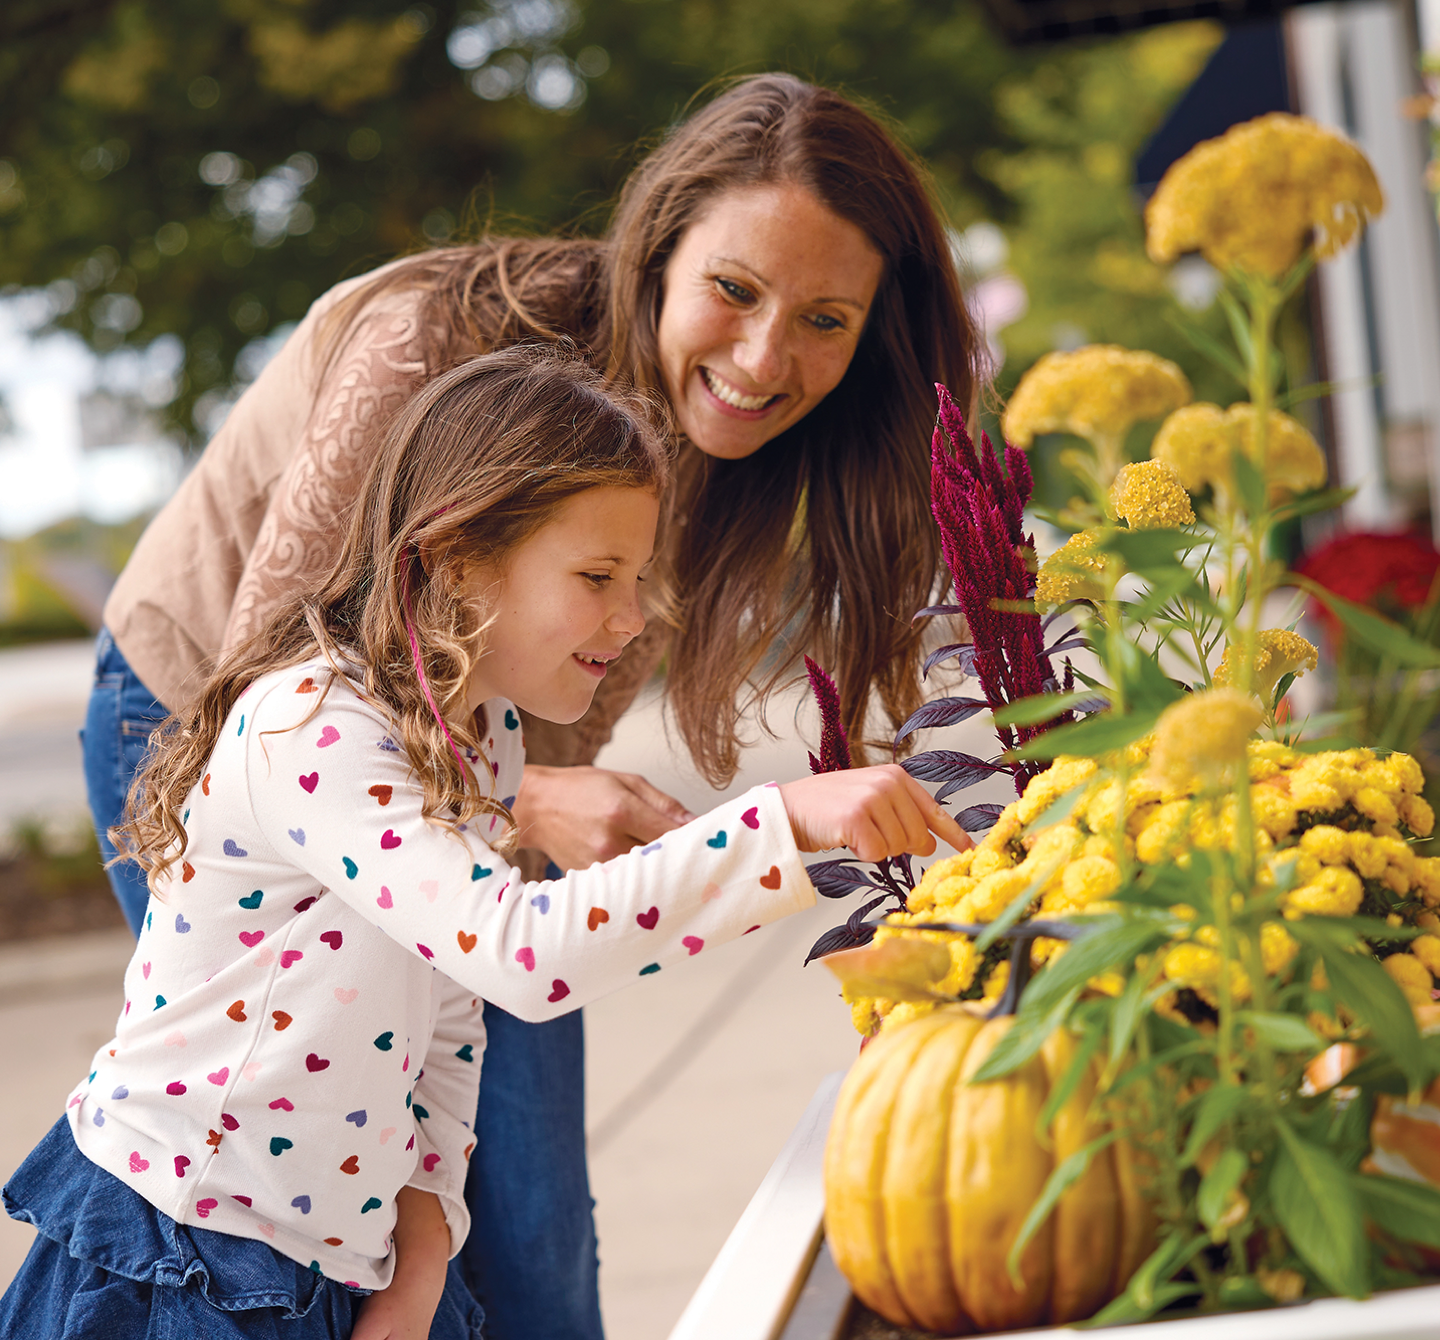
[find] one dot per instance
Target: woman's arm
(405, 1310)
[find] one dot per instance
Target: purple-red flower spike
(834, 744)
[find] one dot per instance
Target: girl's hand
(405, 1310)
(578, 816)
(876, 812)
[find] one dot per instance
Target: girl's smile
(565, 603)
(766, 297)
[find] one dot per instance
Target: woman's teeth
(722, 390)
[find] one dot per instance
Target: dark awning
(1048, 20)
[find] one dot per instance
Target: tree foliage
(207, 168)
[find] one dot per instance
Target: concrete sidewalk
(695, 1076)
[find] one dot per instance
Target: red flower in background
(1390, 573)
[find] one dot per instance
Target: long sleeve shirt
(300, 1036)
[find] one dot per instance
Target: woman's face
(765, 299)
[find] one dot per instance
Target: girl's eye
(597, 579)
(737, 292)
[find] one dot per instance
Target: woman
(777, 271)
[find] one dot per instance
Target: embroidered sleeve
(371, 375)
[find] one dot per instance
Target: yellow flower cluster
(1280, 653)
(1330, 828)
(1095, 392)
(1202, 735)
(1073, 571)
(1148, 494)
(1255, 197)
(1197, 442)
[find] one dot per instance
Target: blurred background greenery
(201, 170)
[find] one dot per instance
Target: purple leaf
(839, 879)
(942, 712)
(960, 782)
(956, 649)
(838, 938)
(979, 818)
(1076, 643)
(856, 919)
(936, 609)
(944, 765)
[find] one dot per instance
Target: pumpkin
(929, 1177)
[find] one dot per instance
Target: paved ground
(695, 1076)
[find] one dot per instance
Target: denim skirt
(107, 1264)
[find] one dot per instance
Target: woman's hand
(405, 1310)
(578, 816)
(875, 812)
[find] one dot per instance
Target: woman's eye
(738, 292)
(597, 578)
(823, 322)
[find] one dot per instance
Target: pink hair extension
(420, 675)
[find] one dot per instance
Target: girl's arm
(336, 798)
(405, 1310)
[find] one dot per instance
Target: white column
(1355, 63)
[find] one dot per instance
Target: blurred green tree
(206, 168)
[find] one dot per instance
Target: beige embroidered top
(260, 515)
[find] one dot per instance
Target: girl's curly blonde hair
(472, 465)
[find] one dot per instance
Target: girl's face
(765, 298)
(565, 602)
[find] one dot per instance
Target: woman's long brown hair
(821, 541)
(473, 464)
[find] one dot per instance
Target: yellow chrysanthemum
(1097, 393)
(1279, 653)
(1203, 734)
(1335, 892)
(1149, 494)
(1070, 573)
(1198, 441)
(1253, 198)
(1411, 976)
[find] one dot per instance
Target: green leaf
(1217, 1184)
(1040, 707)
(1315, 1202)
(1026, 1036)
(1321, 500)
(1283, 1032)
(1219, 1103)
(1061, 1093)
(1239, 327)
(1363, 985)
(1374, 630)
(1208, 345)
(1124, 1310)
(1282, 687)
(1148, 1290)
(1148, 551)
(1125, 1017)
(1065, 1175)
(1099, 734)
(1249, 483)
(1409, 1211)
(1049, 996)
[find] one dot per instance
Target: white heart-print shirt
(302, 1036)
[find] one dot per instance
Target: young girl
(282, 1122)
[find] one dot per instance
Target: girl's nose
(760, 351)
(627, 618)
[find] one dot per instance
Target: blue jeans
(531, 1255)
(120, 716)
(107, 1265)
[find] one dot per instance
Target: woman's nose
(760, 351)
